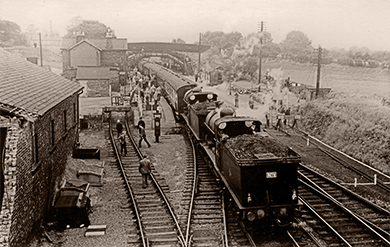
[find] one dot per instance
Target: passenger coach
(172, 84)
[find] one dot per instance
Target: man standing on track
(119, 127)
(122, 139)
(142, 134)
(144, 169)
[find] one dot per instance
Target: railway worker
(142, 136)
(251, 102)
(236, 99)
(122, 139)
(119, 127)
(140, 123)
(145, 169)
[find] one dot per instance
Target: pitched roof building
(39, 119)
(80, 51)
(29, 87)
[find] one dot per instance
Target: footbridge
(172, 51)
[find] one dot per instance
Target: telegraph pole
(40, 49)
(318, 71)
(200, 42)
(261, 44)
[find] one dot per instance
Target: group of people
(145, 164)
(145, 87)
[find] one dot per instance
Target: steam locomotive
(259, 173)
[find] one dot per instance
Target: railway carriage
(173, 85)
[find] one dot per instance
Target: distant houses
(99, 54)
(39, 116)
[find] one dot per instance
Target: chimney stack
(79, 36)
(109, 37)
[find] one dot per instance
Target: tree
(92, 29)
(178, 41)
(221, 43)
(297, 46)
(11, 35)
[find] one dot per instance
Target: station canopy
(166, 47)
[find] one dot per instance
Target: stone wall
(30, 194)
(98, 88)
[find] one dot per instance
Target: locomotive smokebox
(226, 112)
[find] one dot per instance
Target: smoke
(246, 46)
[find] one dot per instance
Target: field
(352, 80)
(352, 117)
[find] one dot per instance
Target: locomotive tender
(259, 173)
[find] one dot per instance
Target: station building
(99, 55)
(39, 116)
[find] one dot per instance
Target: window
(65, 127)
(52, 132)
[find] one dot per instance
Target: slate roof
(117, 44)
(93, 73)
(84, 41)
(32, 88)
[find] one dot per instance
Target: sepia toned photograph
(194, 123)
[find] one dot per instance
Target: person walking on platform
(142, 134)
(145, 169)
(122, 139)
(119, 127)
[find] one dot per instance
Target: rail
(194, 187)
(136, 209)
(320, 191)
(225, 241)
(180, 237)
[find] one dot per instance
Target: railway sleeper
(158, 228)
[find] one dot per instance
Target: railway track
(156, 223)
(365, 173)
(333, 213)
(376, 216)
(202, 201)
(209, 221)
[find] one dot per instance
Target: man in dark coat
(144, 169)
(141, 122)
(122, 139)
(119, 127)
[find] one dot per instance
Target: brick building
(81, 52)
(38, 128)
(95, 80)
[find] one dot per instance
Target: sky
(329, 23)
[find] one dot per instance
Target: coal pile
(256, 146)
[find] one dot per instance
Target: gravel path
(109, 202)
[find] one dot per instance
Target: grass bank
(355, 124)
